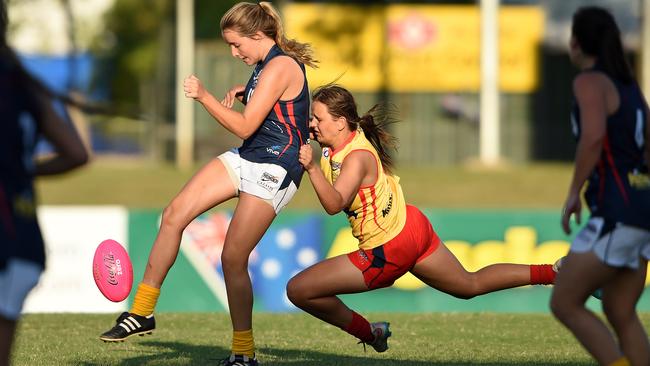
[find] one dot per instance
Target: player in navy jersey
(610, 120)
(26, 114)
(264, 172)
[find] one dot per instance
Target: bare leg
(620, 297)
(442, 270)
(314, 290)
(250, 221)
(581, 275)
(7, 330)
(209, 187)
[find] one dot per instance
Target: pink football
(112, 270)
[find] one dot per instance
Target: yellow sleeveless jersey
(378, 212)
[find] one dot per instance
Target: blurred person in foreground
(610, 121)
(22, 252)
(264, 172)
(356, 176)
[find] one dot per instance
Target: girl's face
(325, 127)
(244, 48)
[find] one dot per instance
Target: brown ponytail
(249, 18)
(374, 125)
(341, 103)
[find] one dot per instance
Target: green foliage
(133, 28)
(207, 14)
(135, 40)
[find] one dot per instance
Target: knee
(619, 315)
(560, 308)
(172, 217)
(464, 295)
(232, 261)
(296, 292)
(469, 289)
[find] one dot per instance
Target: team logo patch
(273, 150)
(326, 152)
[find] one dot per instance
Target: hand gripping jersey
(283, 131)
(619, 185)
(378, 212)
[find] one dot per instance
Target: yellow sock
(623, 361)
(243, 343)
(145, 300)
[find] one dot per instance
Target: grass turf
(137, 184)
(294, 339)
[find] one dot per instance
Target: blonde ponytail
(249, 18)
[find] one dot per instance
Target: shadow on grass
(176, 353)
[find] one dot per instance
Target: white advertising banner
(71, 235)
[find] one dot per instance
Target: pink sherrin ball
(112, 270)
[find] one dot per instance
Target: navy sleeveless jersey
(619, 185)
(283, 131)
(20, 236)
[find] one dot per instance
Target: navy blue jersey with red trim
(619, 185)
(20, 236)
(283, 131)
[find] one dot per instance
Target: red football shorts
(384, 264)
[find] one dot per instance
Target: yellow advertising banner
(415, 48)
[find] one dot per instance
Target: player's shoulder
(590, 81)
(283, 64)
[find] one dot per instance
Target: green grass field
(298, 339)
(138, 184)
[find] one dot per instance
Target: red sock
(542, 274)
(360, 328)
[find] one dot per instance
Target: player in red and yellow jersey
(394, 238)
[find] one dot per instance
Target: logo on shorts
(363, 257)
(268, 181)
(266, 177)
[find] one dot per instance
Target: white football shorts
(618, 245)
(262, 180)
(16, 280)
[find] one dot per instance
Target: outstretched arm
(339, 196)
(70, 150)
(272, 83)
(590, 95)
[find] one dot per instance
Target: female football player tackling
(264, 172)
(356, 177)
(610, 121)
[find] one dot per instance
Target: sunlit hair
(597, 34)
(340, 103)
(248, 18)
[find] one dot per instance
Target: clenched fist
(306, 157)
(193, 88)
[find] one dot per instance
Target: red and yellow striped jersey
(378, 212)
